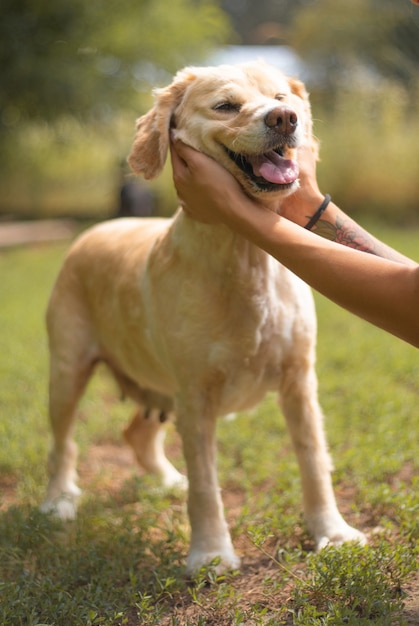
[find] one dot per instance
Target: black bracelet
(322, 208)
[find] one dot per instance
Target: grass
(72, 169)
(365, 161)
(121, 562)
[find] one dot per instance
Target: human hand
(206, 190)
(299, 206)
(210, 194)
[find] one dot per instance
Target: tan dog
(191, 317)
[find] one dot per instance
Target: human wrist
(318, 213)
(301, 205)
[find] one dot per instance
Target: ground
(116, 461)
(109, 465)
(21, 233)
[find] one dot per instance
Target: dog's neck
(214, 245)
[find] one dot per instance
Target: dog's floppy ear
(151, 143)
(298, 89)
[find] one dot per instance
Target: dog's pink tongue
(275, 169)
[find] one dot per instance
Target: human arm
(334, 224)
(382, 291)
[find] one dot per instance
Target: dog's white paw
(173, 479)
(346, 535)
(334, 531)
(224, 561)
(63, 506)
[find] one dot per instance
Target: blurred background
(75, 76)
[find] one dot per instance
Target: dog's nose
(282, 120)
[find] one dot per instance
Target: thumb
(175, 153)
(182, 150)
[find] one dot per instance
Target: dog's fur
(191, 317)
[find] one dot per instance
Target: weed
(122, 561)
(354, 584)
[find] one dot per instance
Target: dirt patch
(21, 233)
(8, 487)
(411, 613)
(115, 464)
(108, 466)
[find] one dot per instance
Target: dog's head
(250, 118)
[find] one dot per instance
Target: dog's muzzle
(272, 170)
(269, 171)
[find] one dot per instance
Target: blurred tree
(379, 36)
(264, 21)
(85, 57)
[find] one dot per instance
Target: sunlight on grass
(70, 168)
(122, 561)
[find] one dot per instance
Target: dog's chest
(240, 313)
(257, 322)
(256, 346)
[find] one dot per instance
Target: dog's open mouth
(269, 171)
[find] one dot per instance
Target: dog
(192, 319)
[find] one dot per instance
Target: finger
(177, 162)
(183, 150)
(191, 157)
(179, 150)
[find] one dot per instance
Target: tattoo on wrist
(350, 234)
(347, 233)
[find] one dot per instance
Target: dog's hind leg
(298, 398)
(145, 434)
(71, 364)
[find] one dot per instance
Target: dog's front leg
(210, 538)
(305, 422)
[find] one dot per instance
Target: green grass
(121, 562)
(368, 164)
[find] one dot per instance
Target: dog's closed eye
(228, 107)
